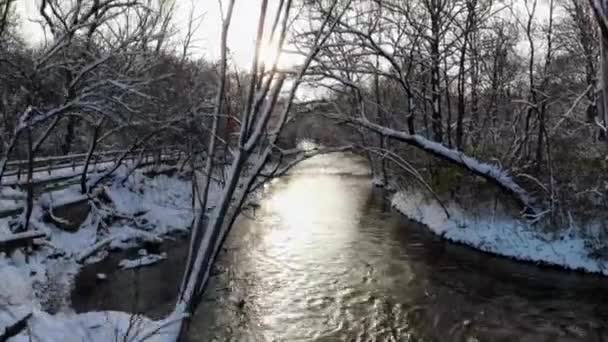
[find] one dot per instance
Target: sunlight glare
(309, 205)
(269, 54)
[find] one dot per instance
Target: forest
(456, 105)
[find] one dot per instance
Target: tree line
(515, 85)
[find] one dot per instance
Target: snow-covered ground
(503, 234)
(96, 327)
(40, 175)
(68, 171)
(145, 259)
(139, 210)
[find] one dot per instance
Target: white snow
(15, 295)
(125, 237)
(40, 175)
(144, 210)
(500, 234)
(163, 203)
(490, 172)
(57, 198)
(61, 173)
(307, 145)
(145, 260)
(11, 199)
(100, 326)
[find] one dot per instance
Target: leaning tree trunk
(68, 139)
(85, 168)
(604, 81)
(491, 173)
(600, 10)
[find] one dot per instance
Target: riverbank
(139, 212)
(497, 232)
(343, 266)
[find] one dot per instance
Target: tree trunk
(66, 147)
(604, 80)
(435, 66)
(87, 161)
(493, 174)
(461, 103)
(29, 205)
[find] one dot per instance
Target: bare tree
(260, 126)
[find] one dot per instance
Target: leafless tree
(261, 124)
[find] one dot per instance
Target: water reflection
(324, 262)
(303, 214)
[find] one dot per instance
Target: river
(325, 259)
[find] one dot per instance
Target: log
(14, 241)
(16, 328)
(491, 173)
(80, 258)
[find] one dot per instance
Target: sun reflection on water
(307, 209)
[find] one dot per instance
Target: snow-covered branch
(489, 172)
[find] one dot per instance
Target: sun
(270, 53)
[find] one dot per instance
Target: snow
(163, 203)
(125, 237)
(145, 260)
(56, 174)
(26, 286)
(11, 199)
(100, 326)
(10, 193)
(69, 171)
(57, 198)
(500, 234)
(307, 145)
(490, 172)
(15, 296)
(141, 209)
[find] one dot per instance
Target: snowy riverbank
(141, 210)
(504, 235)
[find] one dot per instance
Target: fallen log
(489, 172)
(15, 328)
(11, 242)
(80, 258)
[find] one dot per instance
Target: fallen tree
(491, 173)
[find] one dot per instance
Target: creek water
(324, 258)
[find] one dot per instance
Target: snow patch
(100, 326)
(162, 203)
(61, 197)
(143, 210)
(307, 145)
(499, 234)
(143, 261)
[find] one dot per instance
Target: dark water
(323, 261)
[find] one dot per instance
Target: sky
(207, 39)
(241, 36)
